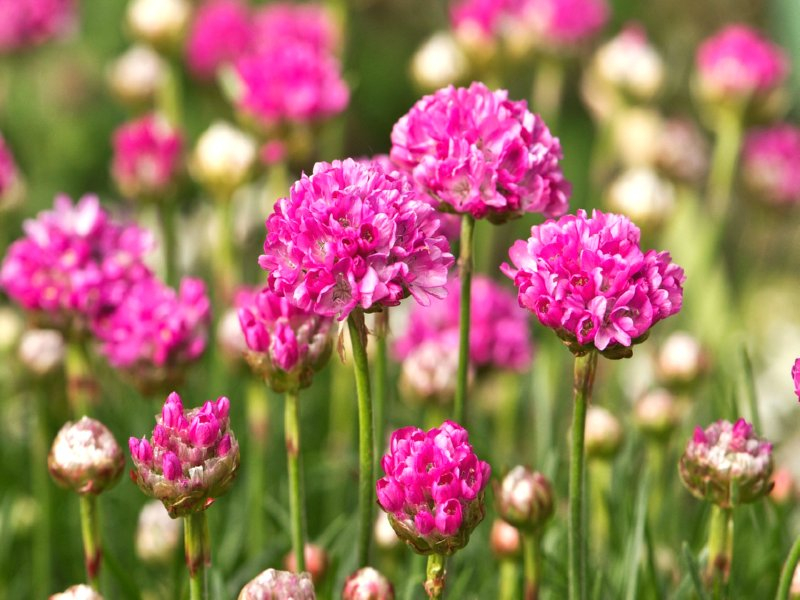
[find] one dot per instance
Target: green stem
(41, 566)
(166, 214)
(366, 442)
(294, 462)
(434, 576)
(585, 367)
(532, 557)
(465, 273)
(79, 381)
(720, 550)
(548, 86)
(257, 408)
(507, 589)
(728, 129)
(787, 573)
(599, 481)
(381, 375)
(90, 532)
(197, 547)
(224, 259)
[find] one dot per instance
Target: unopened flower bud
(656, 413)
(136, 77)
(42, 350)
(385, 537)
(159, 23)
(428, 373)
(784, 489)
(505, 540)
(681, 359)
(367, 584)
(157, 535)
(316, 562)
(85, 457)
(77, 592)
(683, 151)
(525, 499)
(630, 64)
(279, 585)
(635, 134)
(223, 158)
(603, 433)
(642, 195)
(438, 62)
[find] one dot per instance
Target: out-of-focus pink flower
(26, 23)
(74, 262)
(10, 181)
(561, 23)
(155, 333)
(279, 584)
(770, 159)
(481, 20)
(280, 23)
(222, 31)
(796, 377)
(588, 280)
(499, 330)
(739, 62)
(433, 488)
(351, 235)
(147, 157)
(367, 584)
(475, 151)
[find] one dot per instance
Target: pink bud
(160, 436)
(224, 445)
(223, 408)
(448, 517)
(390, 495)
(172, 413)
(424, 521)
(141, 449)
(171, 466)
(203, 430)
(699, 436)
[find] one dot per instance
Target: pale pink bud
(279, 585)
(784, 489)
(525, 499)
(603, 433)
(42, 350)
(657, 412)
(77, 592)
(316, 562)
(505, 539)
(367, 584)
(157, 534)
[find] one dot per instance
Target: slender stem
(366, 442)
(465, 273)
(787, 573)
(295, 465)
(166, 214)
(434, 576)
(90, 532)
(720, 550)
(723, 166)
(584, 380)
(79, 381)
(225, 257)
(548, 85)
(599, 481)
(257, 408)
(507, 589)
(381, 374)
(532, 557)
(197, 547)
(41, 565)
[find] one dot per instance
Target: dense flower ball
(26, 23)
(475, 151)
(556, 24)
(738, 62)
(588, 279)
(367, 584)
(796, 377)
(220, 33)
(85, 457)
(279, 585)
(74, 263)
(727, 464)
(525, 499)
(351, 236)
(10, 180)
(147, 157)
(433, 488)
(769, 161)
(156, 332)
(279, 23)
(190, 460)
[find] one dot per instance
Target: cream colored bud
(681, 359)
(636, 133)
(630, 64)
(223, 158)
(657, 412)
(438, 62)
(603, 433)
(385, 537)
(157, 534)
(160, 23)
(137, 75)
(42, 350)
(641, 194)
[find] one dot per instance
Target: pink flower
(588, 280)
(769, 160)
(221, 32)
(9, 175)
(796, 377)
(475, 151)
(191, 458)
(481, 18)
(147, 157)
(155, 333)
(26, 23)
(351, 236)
(738, 61)
(74, 262)
(562, 22)
(280, 23)
(499, 331)
(433, 488)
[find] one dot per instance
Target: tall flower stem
(532, 560)
(258, 423)
(585, 367)
(728, 128)
(166, 214)
(40, 485)
(508, 586)
(197, 546)
(720, 550)
(465, 273)
(434, 576)
(294, 462)
(90, 532)
(79, 380)
(225, 271)
(787, 573)
(381, 374)
(366, 441)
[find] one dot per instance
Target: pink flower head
(499, 331)
(727, 464)
(796, 377)
(433, 488)
(351, 235)
(156, 332)
(280, 23)
(26, 23)
(562, 23)
(190, 460)
(739, 62)
(147, 157)
(74, 263)
(588, 280)
(478, 18)
(286, 344)
(220, 33)
(770, 157)
(475, 151)
(9, 175)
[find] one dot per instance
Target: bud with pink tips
(367, 584)
(525, 499)
(279, 585)
(77, 592)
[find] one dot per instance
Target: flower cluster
(286, 344)
(147, 157)
(281, 23)
(10, 181)
(74, 263)
(277, 585)
(738, 62)
(190, 460)
(475, 151)
(433, 488)
(727, 464)
(155, 332)
(351, 235)
(499, 331)
(769, 159)
(556, 24)
(25, 23)
(221, 32)
(478, 20)
(588, 280)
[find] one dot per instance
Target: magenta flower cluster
(738, 61)
(769, 159)
(481, 18)
(281, 23)
(27, 23)
(588, 279)
(75, 263)
(475, 151)
(147, 157)
(191, 458)
(351, 235)
(499, 332)
(563, 22)
(220, 33)
(433, 488)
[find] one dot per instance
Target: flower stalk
(728, 128)
(435, 574)
(720, 550)
(381, 374)
(785, 583)
(198, 553)
(294, 463)
(532, 561)
(257, 409)
(90, 532)
(465, 274)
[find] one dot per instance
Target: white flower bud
(438, 62)
(160, 23)
(77, 592)
(157, 534)
(641, 194)
(630, 64)
(136, 76)
(603, 433)
(41, 350)
(681, 359)
(223, 157)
